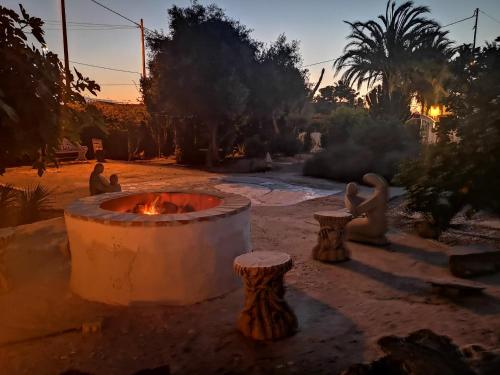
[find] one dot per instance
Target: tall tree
(34, 96)
(201, 69)
(279, 84)
(390, 51)
(35, 102)
(343, 93)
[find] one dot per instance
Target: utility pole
(143, 51)
(476, 13)
(65, 44)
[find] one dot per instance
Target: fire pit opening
(162, 203)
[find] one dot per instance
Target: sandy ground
(342, 309)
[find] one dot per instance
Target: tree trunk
(275, 124)
(311, 95)
(158, 140)
(213, 145)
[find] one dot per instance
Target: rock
(481, 360)
(421, 353)
(454, 287)
(473, 260)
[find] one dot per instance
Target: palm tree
(390, 49)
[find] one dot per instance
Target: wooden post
(143, 51)
(65, 45)
(476, 13)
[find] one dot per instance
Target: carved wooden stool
(331, 236)
(265, 315)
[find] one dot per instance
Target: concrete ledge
(89, 208)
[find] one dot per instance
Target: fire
(434, 111)
(152, 208)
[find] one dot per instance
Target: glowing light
(152, 208)
(434, 111)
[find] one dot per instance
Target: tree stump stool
(331, 236)
(265, 315)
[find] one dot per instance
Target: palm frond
(32, 201)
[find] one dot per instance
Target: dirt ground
(342, 309)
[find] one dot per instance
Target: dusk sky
(317, 24)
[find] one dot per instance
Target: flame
(434, 111)
(152, 208)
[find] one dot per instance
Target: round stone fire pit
(173, 247)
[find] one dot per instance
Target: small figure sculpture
(113, 182)
(372, 227)
(98, 184)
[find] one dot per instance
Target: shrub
(286, 144)
(362, 145)
(31, 201)
(7, 205)
(338, 125)
(463, 169)
(347, 162)
(255, 147)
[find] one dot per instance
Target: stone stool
(331, 236)
(265, 315)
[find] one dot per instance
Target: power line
(465, 19)
(104, 67)
(87, 29)
(115, 12)
(317, 63)
(88, 24)
(487, 15)
(121, 15)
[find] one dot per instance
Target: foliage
(200, 69)
(32, 200)
(337, 126)
(32, 88)
(330, 97)
(403, 50)
(255, 147)
(122, 127)
(381, 105)
(278, 85)
(22, 206)
(462, 171)
(209, 70)
(287, 144)
(7, 204)
(357, 144)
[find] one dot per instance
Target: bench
(68, 151)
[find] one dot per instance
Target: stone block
(473, 260)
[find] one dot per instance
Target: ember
(160, 207)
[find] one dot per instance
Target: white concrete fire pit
(173, 247)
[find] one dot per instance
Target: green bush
(8, 197)
(358, 144)
(23, 206)
(31, 201)
(436, 184)
(286, 144)
(255, 147)
(463, 167)
(338, 126)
